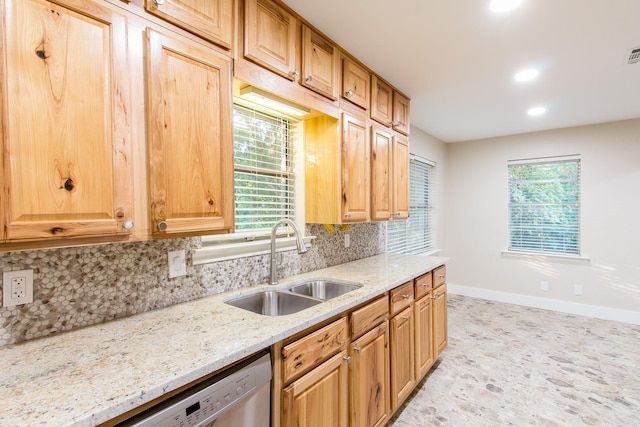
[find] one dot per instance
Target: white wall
(476, 225)
(426, 146)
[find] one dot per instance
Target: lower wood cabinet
(358, 369)
(403, 377)
(319, 398)
(369, 375)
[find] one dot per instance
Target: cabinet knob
(406, 296)
(348, 93)
(394, 123)
(357, 349)
(294, 73)
(347, 215)
(406, 317)
(127, 225)
(347, 358)
(158, 2)
(308, 78)
(162, 225)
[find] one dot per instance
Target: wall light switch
(177, 264)
(17, 287)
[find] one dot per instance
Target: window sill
(559, 257)
(224, 252)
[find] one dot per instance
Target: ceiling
(456, 59)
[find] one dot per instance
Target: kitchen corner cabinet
(190, 141)
(320, 63)
(355, 83)
(389, 175)
(270, 36)
(213, 20)
(65, 121)
(389, 107)
(337, 170)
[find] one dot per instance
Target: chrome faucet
(302, 248)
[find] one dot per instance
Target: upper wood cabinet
(388, 106)
(190, 141)
(270, 36)
(65, 121)
(320, 63)
(337, 170)
(355, 83)
(400, 177)
(213, 20)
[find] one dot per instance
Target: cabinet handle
(394, 123)
(162, 225)
(357, 349)
(294, 73)
(347, 215)
(308, 78)
(127, 225)
(347, 358)
(405, 296)
(158, 2)
(436, 296)
(406, 317)
(348, 93)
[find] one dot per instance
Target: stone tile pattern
(81, 286)
(508, 365)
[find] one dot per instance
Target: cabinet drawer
(439, 276)
(401, 297)
(424, 284)
(302, 355)
(369, 316)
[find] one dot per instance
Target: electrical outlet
(17, 287)
(577, 289)
(544, 285)
(177, 264)
(347, 240)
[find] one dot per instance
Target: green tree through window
(544, 206)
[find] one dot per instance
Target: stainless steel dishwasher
(239, 396)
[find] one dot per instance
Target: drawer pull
(357, 349)
(406, 296)
(441, 276)
(299, 364)
(406, 317)
(347, 358)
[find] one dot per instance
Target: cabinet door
(270, 37)
(210, 19)
(424, 338)
(400, 177)
(440, 339)
(355, 169)
(403, 376)
(67, 170)
(190, 137)
(401, 113)
(381, 101)
(355, 83)
(381, 173)
(370, 378)
(319, 398)
(319, 64)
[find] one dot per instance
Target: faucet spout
(302, 248)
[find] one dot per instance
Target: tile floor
(508, 365)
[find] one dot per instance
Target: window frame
(513, 249)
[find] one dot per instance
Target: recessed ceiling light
(500, 6)
(536, 111)
(525, 75)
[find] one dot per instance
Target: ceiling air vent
(634, 55)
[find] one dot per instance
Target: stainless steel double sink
(293, 299)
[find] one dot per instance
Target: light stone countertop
(91, 375)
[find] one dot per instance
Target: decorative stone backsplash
(81, 286)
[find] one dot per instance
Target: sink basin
(273, 303)
(323, 289)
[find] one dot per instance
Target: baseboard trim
(606, 313)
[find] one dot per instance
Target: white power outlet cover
(17, 287)
(177, 264)
(347, 240)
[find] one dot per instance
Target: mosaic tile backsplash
(81, 286)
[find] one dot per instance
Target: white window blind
(415, 234)
(263, 169)
(544, 205)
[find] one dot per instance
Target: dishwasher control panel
(206, 405)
